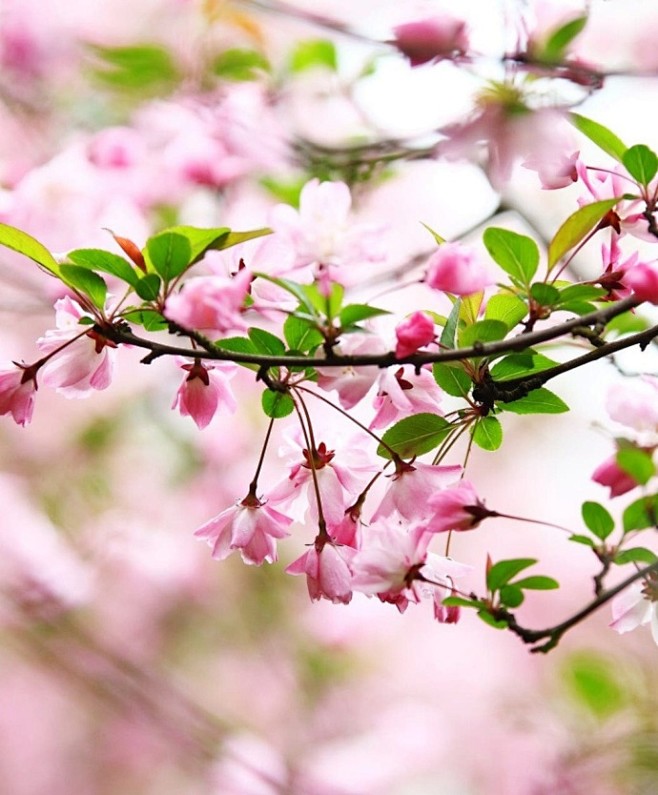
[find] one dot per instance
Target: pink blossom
(84, 365)
(210, 303)
(439, 574)
(204, 390)
(352, 383)
(17, 391)
(327, 571)
(411, 487)
(557, 170)
(413, 332)
(643, 280)
(432, 39)
(404, 392)
(613, 279)
(457, 269)
(611, 475)
(635, 404)
(456, 508)
(636, 606)
(250, 526)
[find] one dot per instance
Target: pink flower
(635, 404)
(456, 508)
(352, 383)
(636, 606)
(613, 279)
(457, 269)
(431, 39)
(327, 571)
(439, 574)
(402, 393)
(203, 390)
(411, 488)
(413, 332)
(250, 526)
(17, 390)
(611, 475)
(84, 365)
(210, 303)
(557, 170)
(643, 280)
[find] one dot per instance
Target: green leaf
(98, 260)
(354, 313)
(555, 48)
(437, 237)
(488, 433)
(168, 254)
(636, 555)
(502, 572)
(628, 323)
(517, 255)
(415, 435)
(239, 345)
(641, 163)
(148, 287)
(496, 623)
(285, 190)
(539, 401)
(218, 238)
(266, 343)
(594, 682)
(537, 583)
(458, 601)
(145, 67)
(509, 309)
(301, 335)
(277, 404)
(576, 227)
(240, 64)
(294, 289)
(636, 463)
(604, 138)
(580, 292)
(450, 329)
(578, 307)
(87, 282)
(25, 244)
(511, 595)
(482, 331)
(597, 519)
(149, 318)
(469, 311)
(452, 380)
(519, 365)
(313, 53)
(641, 514)
(584, 540)
(545, 294)
(326, 305)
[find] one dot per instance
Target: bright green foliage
(641, 514)
(415, 435)
(597, 519)
(99, 260)
(555, 49)
(488, 433)
(25, 244)
(240, 64)
(168, 254)
(575, 228)
(502, 572)
(636, 463)
(482, 331)
(636, 555)
(604, 138)
(301, 334)
(517, 255)
(593, 682)
(314, 53)
(539, 401)
(507, 308)
(641, 163)
(452, 379)
(520, 365)
(147, 68)
(277, 404)
(86, 282)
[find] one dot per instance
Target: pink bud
(643, 280)
(457, 269)
(413, 332)
(17, 388)
(611, 475)
(431, 39)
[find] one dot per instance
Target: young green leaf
(452, 380)
(488, 433)
(98, 260)
(277, 404)
(511, 595)
(437, 237)
(555, 48)
(301, 335)
(502, 572)
(266, 343)
(239, 345)
(509, 309)
(641, 514)
(518, 365)
(148, 287)
(641, 163)
(537, 583)
(482, 331)
(25, 244)
(148, 68)
(604, 138)
(415, 435)
(168, 254)
(575, 228)
(584, 540)
(636, 463)
(597, 519)
(517, 255)
(636, 555)
(496, 623)
(545, 294)
(149, 318)
(86, 282)
(449, 332)
(354, 313)
(240, 64)
(313, 53)
(539, 401)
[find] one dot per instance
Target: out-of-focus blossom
(210, 303)
(643, 281)
(430, 40)
(610, 474)
(327, 570)
(413, 332)
(439, 575)
(86, 364)
(403, 392)
(352, 383)
(17, 391)
(557, 171)
(204, 389)
(411, 487)
(250, 526)
(635, 404)
(456, 508)
(636, 606)
(457, 269)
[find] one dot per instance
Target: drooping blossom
(611, 475)
(457, 269)
(352, 382)
(210, 304)
(17, 392)
(250, 526)
(411, 487)
(456, 507)
(643, 281)
(86, 363)
(635, 404)
(614, 276)
(636, 606)
(413, 333)
(439, 575)
(403, 392)
(327, 569)
(204, 389)
(430, 40)
(555, 170)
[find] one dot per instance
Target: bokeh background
(132, 663)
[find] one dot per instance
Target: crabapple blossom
(251, 526)
(636, 606)
(635, 404)
(432, 39)
(204, 390)
(611, 475)
(17, 392)
(614, 277)
(327, 569)
(457, 269)
(404, 392)
(410, 488)
(643, 281)
(456, 508)
(210, 303)
(83, 365)
(439, 574)
(352, 383)
(413, 332)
